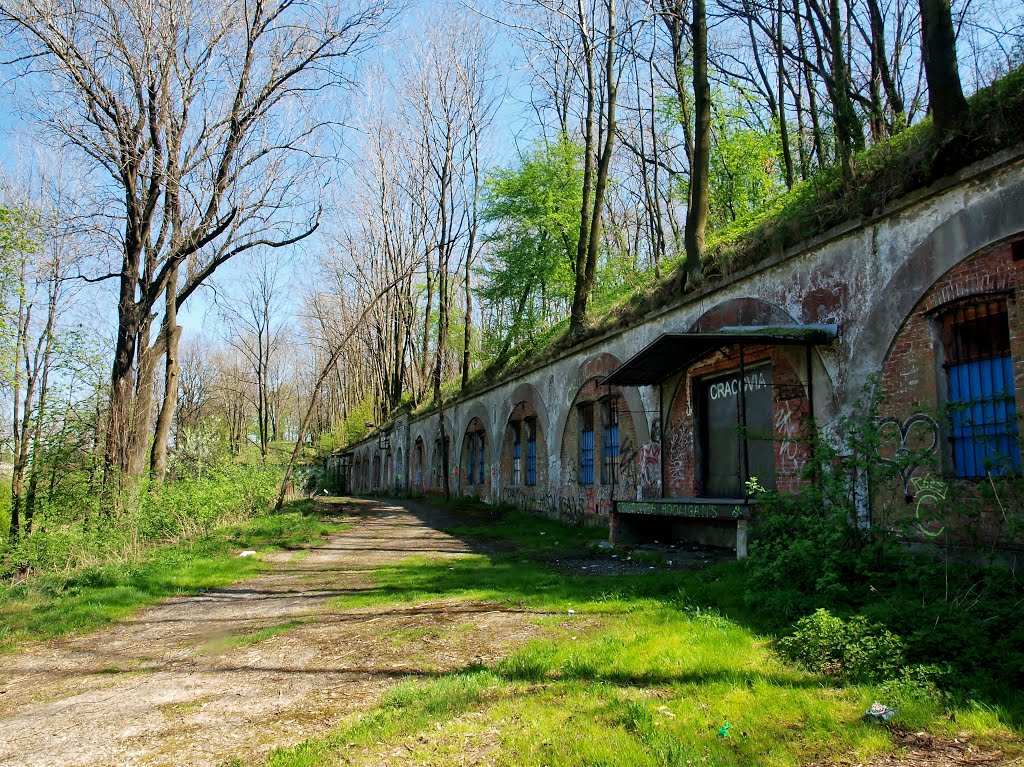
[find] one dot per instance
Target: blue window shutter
(983, 416)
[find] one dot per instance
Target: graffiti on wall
(678, 447)
(906, 445)
(930, 493)
(787, 431)
(639, 469)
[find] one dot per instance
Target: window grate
(586, 413)
(531, 452)
(517, 453)
(981, 404)
(610, 440)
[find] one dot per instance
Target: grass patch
(528, 533)
(635, 669)
(58, 604)
(217, 646)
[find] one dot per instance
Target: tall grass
(70, 531)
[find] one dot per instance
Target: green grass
(528, 533)
(223, 644)
(633, 669)
(58, 604)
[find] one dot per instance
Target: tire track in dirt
(154, 690)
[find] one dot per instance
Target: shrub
(811, 550)
(852, 650)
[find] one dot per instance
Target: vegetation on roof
(911, 161)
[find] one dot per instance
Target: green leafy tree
(746, 163)
(535, 210)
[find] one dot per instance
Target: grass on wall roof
(912, 160)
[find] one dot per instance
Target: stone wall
(878, 280)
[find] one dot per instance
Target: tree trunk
(849, 132)
(938, 49)
(697, 210)
(172, 332)
(24, 313)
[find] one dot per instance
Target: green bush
(852, 650)
(810, 550)
(76, 535)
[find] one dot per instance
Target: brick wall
(470, 485)
(527, 497)
(914, 389)
(591, 503)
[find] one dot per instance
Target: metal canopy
(675, 352)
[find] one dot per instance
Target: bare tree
(205, 119)
(581, 39)
(255, 325)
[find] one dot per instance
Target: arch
(399, 471)
(981, 223)
(746, 310)
(475, 458)
(619, 441)
(750, 310)
(526, 392)
(475, 411)
(600, 366)
(521, 453)
(418, 475)
(432, 442)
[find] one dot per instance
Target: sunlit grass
(55, 605)
(664, 668)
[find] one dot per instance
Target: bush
(851, 650)
(811, 551)
(66, 538)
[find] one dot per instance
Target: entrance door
(723, 438)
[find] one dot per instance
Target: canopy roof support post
(661, 433)
(745, 462)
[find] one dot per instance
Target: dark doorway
(725, 444)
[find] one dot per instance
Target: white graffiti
(731, 386)
(786, 431)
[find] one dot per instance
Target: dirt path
(161, 689)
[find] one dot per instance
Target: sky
(513, 130)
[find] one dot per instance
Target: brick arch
(434, 463)
(600, 366)
(749, 310)
(977, 226)
(475, 411)
(990, 270)
(589, 503)
(514, 489)
(530, 394)
(741, 311)
(470, 485)
(418, 472)
(916, 387)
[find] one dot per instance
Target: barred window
(610, 440)
(531, 452)
(482, 465)
(517, 453)
(983, 413)
(586, 414)
(472, 459)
